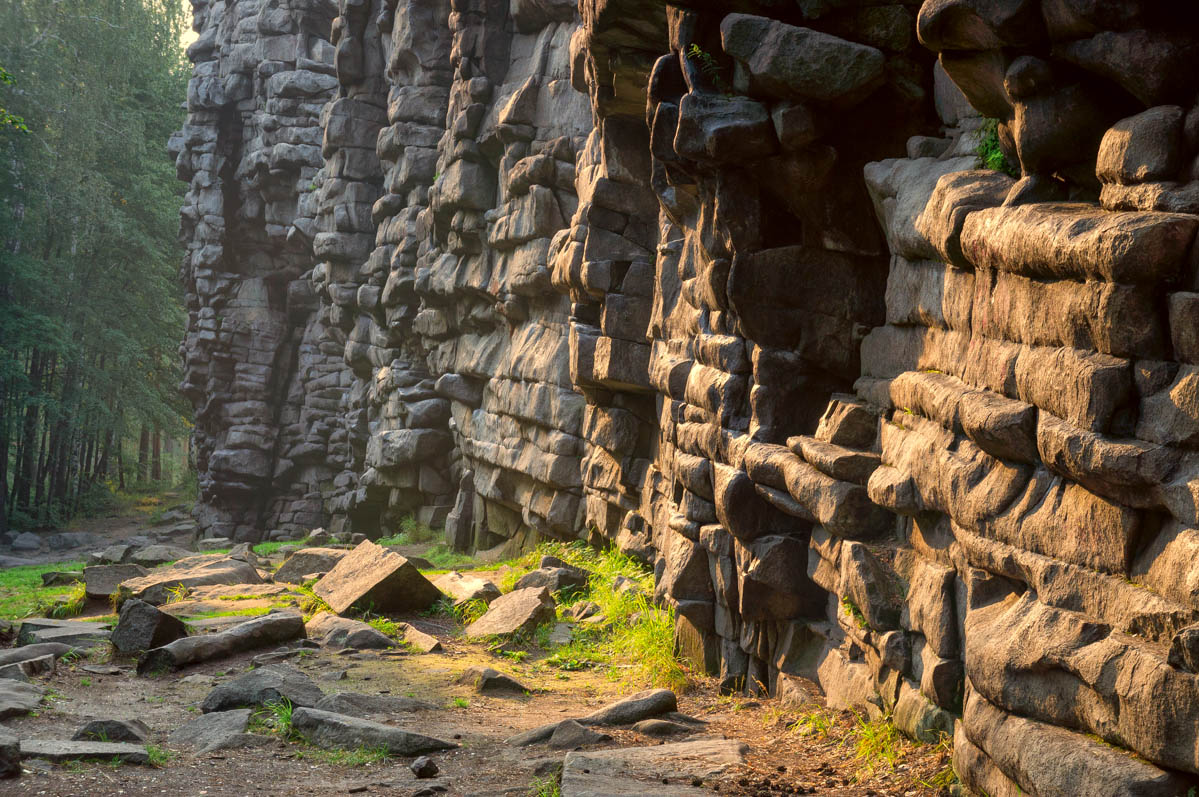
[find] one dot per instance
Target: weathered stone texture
(730, 292)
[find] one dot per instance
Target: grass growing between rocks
(275, 718)
(68, 605)
(21, 590)
(411, 531)
(549, 786)
(635, 641)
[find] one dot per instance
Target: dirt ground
(780, 762)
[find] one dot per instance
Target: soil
(781, 761)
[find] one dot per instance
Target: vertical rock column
(250, 150)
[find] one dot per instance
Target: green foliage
(360, 757)
(386, 627)
(411, 532)
(460, 702)
(637, 639)
(159, 756)
(853, 611)
(310, 603)
(8, 119)
(877, 743)
(549, 786)
(21, 590)
(64, 606)
(90, 308)
(990, 155)
(710, 68)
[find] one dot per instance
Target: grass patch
(636, 642)
(21, 590)
(443, 557)
(159, 756)
(460, 702)
(549, 786)
(361, 757)
(877, 743)
(310, 603)
(67, 605)
(990, 155)
(817, 721)
(253, 611)
(411, 531)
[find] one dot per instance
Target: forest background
(91, 310)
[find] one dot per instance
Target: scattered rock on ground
(554, 579)
(570, 734)
(101, 582)
(487, 681)
(425, 643)
(34, 651)
(194, 571)
(384, 579)
(519, 610)
(643, 770)
(259, 632)
(29, 668)
(465, 587)
(634, 708)
(113, 731)
(308, 560)
(57, 751)
(60, 578)
(10, 754)
(424, 767)
(220, 730)
(76, 633)
(362, 706)
(271, 684)
(349, 733)
(27, 541)
(141, 626)
(155, 555)
(656, 727)
(333, 631)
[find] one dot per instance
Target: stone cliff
(723, 285)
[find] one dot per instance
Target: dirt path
(780, 761)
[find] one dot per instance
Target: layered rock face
(264, 377)
(724, 287)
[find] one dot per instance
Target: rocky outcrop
(723, 285)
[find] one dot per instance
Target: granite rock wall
(723, 285)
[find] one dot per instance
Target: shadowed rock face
(724, 287)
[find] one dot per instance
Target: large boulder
(101, 582)
(520, 610)
(194, 571)
(217, 731)
(464, 587)
(327, 729)
(373, 576)
(307, 561)
(271, 684)
(141, 626)
(341, 632)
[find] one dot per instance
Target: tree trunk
(157, 458)
(120, 465)
(25, 474)
(143, 454)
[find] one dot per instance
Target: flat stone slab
(221, 730)
(249, 635)
(194, 571)
(271, 684)
(308, 560)
(362, 706)
(33, 651)
(655, 770)
(374, 576)
(76, 633)
(18, 699)
(463, 587)
(103, 581)
(57, 751)
(333, 631)
(520, 610)
(325, 728)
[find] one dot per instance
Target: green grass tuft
(549, 786)
(21, 590)
(159, 756)
(67, 605)
(990, 155)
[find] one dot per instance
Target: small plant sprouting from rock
(990, 154)
(710, 69)
(853, 611)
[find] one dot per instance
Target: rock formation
(723, 285)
